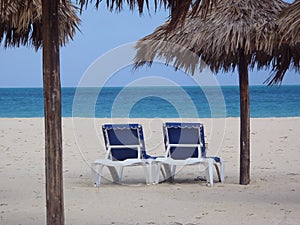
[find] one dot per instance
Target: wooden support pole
(52, 113)
(244, 121)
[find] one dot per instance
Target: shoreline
(272, 197)
(163, 118)
(227, 85)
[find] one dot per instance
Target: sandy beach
(273, 196)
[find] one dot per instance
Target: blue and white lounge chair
(184, 145)
(125, 146)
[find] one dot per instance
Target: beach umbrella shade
(234, 34)
(289, 23)
(48, 24)
(21, 22)
(178, 8)
(288, 55)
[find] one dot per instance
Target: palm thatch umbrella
(48, 24)
(289, 23)
(21, 22)
(235, 34)
(288, 55)
(178, 8)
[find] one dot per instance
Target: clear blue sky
(101, 31)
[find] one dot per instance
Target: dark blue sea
(155, 102)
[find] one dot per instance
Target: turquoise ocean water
(151, 102)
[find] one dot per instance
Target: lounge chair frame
(196, 154)
(117, 148)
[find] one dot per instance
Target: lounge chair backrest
(184, 140)
(124, 141)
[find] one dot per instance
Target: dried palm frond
(233, 28)
(288, 55)
(21, 22)
(178, 8)
(289, 23)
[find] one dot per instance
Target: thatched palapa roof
(231, 30)
(178, 8)
(288, 55)
(289, 23)
(21, 22)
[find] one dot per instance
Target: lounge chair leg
(173, 171)
(114, 174)
(222, 171)
(94, 174)
(99, 175)
(209, 172)
(218, 172)
(162, 172)
(121, 173)
(158, 168)
(169, 177)
(148, 173)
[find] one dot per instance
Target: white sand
(273, 197)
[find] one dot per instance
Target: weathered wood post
(52, 108)
(244, 121)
